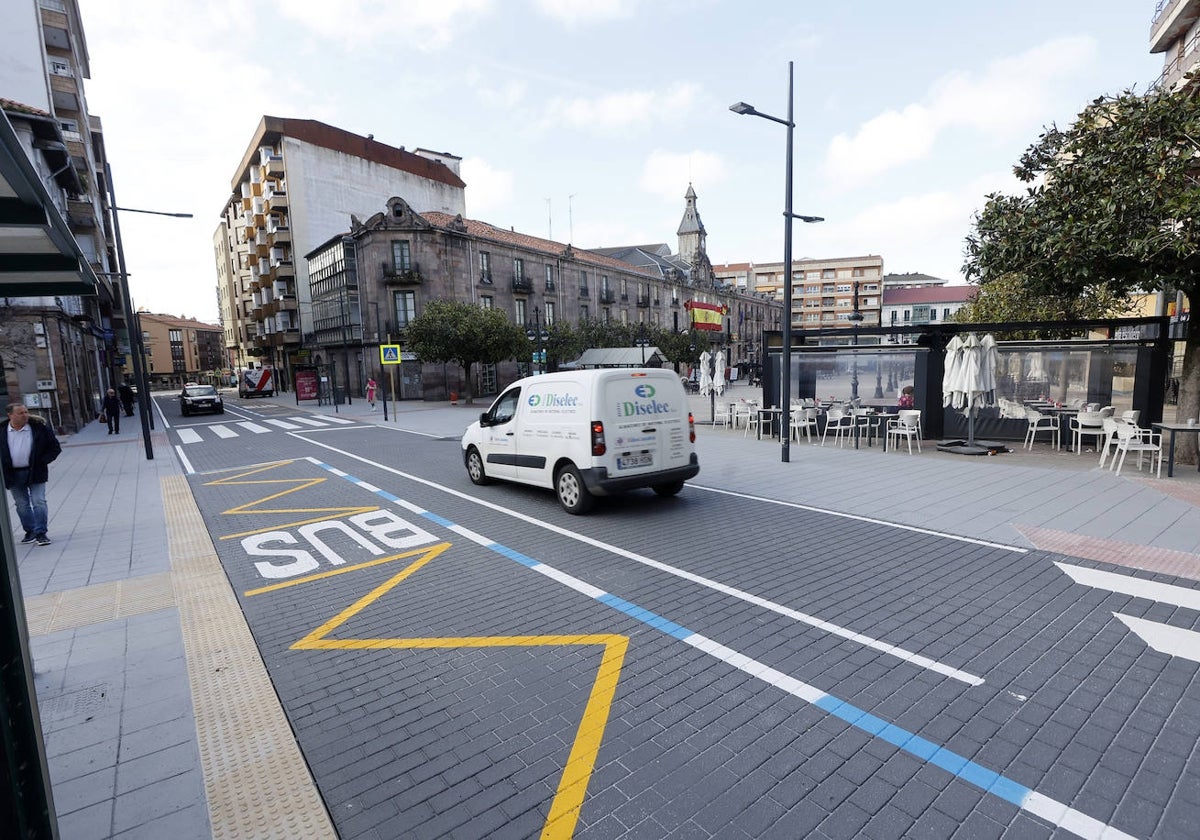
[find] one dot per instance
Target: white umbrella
(951, 374)
(706, 383)
(970, 377)
(719, 376)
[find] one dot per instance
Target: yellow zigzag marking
(299, 484)
(568, 799)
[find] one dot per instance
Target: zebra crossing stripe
(188, 436)
(310, 421)
(282, 424)
(254, 427)
(223, 431)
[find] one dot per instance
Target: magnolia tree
(1112, 209)
(464, 333)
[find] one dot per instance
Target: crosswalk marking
(1173, 641)
(189, 436)
(283, 424)
(223, 431)
(310, 421)
(337, 420)
(253, 427)
(1138, 587)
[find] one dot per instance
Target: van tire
(572, 493)
(670, 489)
(475, 470)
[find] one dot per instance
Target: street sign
(389, 354)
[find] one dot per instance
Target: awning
(38, 253)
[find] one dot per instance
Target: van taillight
(691, 427)
(599, 447)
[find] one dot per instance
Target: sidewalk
(159, 720)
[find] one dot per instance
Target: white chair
(841, 424)
(806, 419)
(1087, 424)
(1011, 409)
(744, 411)
(1131, 415)
(1038, 423)
(721, 415)
(1110, 438)
(906, 425)
(1132, 439)
(754, 421)
(862, 421)
(1107, 411)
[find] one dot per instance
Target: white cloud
(665, 173)
(1013, 94)
(621, 109)
(574, 13)
(426, 25)
(488, 189)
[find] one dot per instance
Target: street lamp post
(136, 348)
(855, 318)
(539, 335)
(785, 389)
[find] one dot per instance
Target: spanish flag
(707, 316)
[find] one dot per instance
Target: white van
(587, 433)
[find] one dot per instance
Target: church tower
(691, 232)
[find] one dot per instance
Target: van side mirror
(484, 421)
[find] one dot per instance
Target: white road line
(223, 431)
(283, 424)
(187, 465)
(253, 427)
(1173, 641)
(330, 419)
(188, 435)
(1165, 593)
(795, 615)
(310, 421)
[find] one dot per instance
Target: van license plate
(625, 462)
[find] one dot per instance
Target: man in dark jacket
(27, 446)
(126, 394)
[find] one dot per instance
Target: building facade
(905, 306)
(1175, 32)
(180, 350)
(369, 283)
(296, 186)
(59, 352)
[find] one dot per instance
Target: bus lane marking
(959, 766)
(568, 798)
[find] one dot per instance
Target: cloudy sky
(585, 120)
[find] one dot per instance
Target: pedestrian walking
(126, 395)
(27, 446)
(371, 392)
(112, 412)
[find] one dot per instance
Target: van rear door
(646, 424)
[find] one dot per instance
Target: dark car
(200, 398)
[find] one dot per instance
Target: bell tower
(691, 232)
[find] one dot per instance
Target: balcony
(485, 277)
(276, 199)
(394, 275)
(270, 308)
(643, 301)
(607, 296)
(549, 285)
(583, 292)
(281, 235)
(522, 284)
(272, 165)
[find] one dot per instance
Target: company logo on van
(648, 405)
(553, 400)
(644, 391)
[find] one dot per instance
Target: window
(844, 287)
(933, 313)
(583, 312)
(485, 267)
(487, 301)
(549, 278)
(624, 289)
(858, 272)
(946, 314)
(518, 269)
(583, 283)
(907, 315)
(549, 312)
(406, 307)
(606, 315)
(519, 309)
(828, 274)
(604, 284)
(401, 258)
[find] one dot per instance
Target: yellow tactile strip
(73, 608)
(257, 782)
(1166, 561)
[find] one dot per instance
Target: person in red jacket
(27, 446)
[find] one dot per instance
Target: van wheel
(475, 467)
(671, 489)
(572, 493)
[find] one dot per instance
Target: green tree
(464, 333)
(1005, 298)
(1113, 204)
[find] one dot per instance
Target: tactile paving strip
(257, 782)
(73, 608)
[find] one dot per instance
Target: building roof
(657, 259)
(928, 294)
(483, 230)
(912, 278)
(271, 129)
(173, 321)
(619, 357)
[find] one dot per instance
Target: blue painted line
(653, 619)
(352, 479)
(433, 517)
(909, 742)
(390, 497)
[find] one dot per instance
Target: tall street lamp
(136, 347)
(785, 390)
(855, 318)
(538, 334)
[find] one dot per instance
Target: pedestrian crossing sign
(389, 354)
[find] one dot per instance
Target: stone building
(368, 283)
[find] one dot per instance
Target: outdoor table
(768, 415)
(1174, 428)
(1062, 412)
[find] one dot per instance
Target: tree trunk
(1189, 389)
(468, 397)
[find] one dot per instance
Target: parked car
(195, 398)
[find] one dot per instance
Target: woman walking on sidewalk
(371, 392)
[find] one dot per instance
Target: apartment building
(1175, 32)
(59, 349)
(905, 306)
(297, 185)
(182, 350)
(369, 283)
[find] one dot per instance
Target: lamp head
(742, 108)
